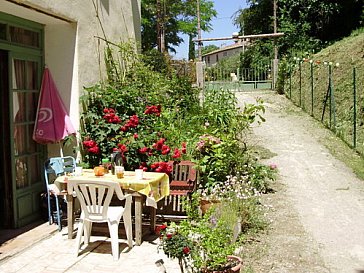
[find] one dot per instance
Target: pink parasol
(52, 121)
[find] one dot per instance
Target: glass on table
(119, 171)
(78, 171)
(139, 174)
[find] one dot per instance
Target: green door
(21, 167)
(26, 154)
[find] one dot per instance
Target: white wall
(73, 52)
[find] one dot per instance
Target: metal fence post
(311, 70)
(332, 100)
(290, 81)
(354, 108)
(330, 94)
(300, 74)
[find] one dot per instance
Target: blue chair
(54, 167)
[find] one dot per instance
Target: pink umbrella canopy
(52, 123)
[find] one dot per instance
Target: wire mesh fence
(333, 94)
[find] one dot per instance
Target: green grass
(348, 53)
(344, 153)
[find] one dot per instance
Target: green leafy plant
(174, 244)
(212, 236)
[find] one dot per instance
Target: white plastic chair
(95, 198)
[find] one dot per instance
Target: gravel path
(318, 208)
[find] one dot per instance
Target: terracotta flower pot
(237, 265)
(205, 204)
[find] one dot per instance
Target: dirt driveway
(317, 210)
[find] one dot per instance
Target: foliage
(307, 25)
(221, 152)
(283, 74)
(217, 234)
(174, 244)
(341, 58)
(255, 56)
(152, 117)
(208, 49)
(228, 64)
(212, 240)
(256, 19)
(188, 24)
(177, 17)
(133, 111)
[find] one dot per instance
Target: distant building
(215, 56)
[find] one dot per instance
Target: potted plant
(202, 243)
(174, 244)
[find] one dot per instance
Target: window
(2, 31)
(24, 36)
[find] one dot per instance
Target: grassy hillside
(338, 112)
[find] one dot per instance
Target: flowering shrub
(234, 187)
(140, 144)
(174, 244)
(206, 143)
(110, 116)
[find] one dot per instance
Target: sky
(222, 25)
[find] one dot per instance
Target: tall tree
(188, 23)
(178, 16)
(171, 12)
(307, 24)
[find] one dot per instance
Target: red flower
(133, 121)
(153, 110)
(124, 128)
(130, 123)
(161, 167)
(94, 150)
(186, 250)
(143, 150)
(110, 116)
(165, 149)
(89, 143)
(169, 236)
(123, 148)
(159, 144)
(135, 136)
(176, 154)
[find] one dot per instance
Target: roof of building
(225, 48)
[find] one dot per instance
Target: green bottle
(106, 164)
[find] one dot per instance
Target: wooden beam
(255, 36)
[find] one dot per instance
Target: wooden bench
(183, 183)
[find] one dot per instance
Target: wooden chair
(183, 183)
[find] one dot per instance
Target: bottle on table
(106, 164)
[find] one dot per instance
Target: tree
(178, 16)
(307, 24)
(208, 49)
(188, 24)
(149, 24)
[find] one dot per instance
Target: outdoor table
(154, 187)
